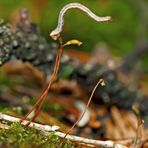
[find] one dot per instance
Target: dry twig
(46, 129)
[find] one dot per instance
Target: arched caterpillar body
(55, 34)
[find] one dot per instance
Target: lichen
(6, 37)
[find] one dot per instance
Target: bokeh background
(129, 24)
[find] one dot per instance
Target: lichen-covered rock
(114, 92)
(6, 41)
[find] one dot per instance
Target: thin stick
(46, 129)
(101, 82)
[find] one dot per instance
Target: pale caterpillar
(55, 34)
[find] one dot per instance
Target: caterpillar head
(55, 34)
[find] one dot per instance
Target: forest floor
(21, 85)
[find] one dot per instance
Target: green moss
(19, 137)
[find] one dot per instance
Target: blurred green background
(120, 35)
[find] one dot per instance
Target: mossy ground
(18, 137)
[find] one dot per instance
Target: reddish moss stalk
(41, 100)
(100, 82)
